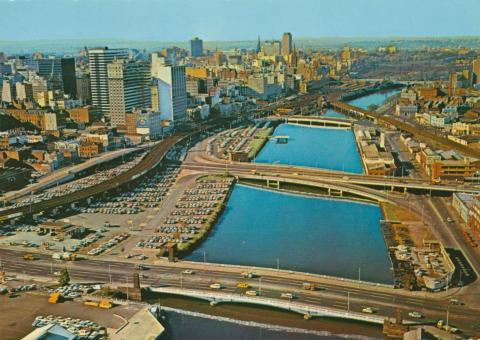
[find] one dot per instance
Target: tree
(64, 278)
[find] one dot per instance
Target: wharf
(143, 324)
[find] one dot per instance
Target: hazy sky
(174, 20)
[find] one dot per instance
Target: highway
(151, 160)
(334, 293)
(331, 175)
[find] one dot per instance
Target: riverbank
(241, 316)
(195, 213)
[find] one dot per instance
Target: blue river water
(264, 228)
(375, 98)
(334, 149)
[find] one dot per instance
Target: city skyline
(213, 20)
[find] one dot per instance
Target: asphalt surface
(330, 295)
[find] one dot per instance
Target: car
(415, 315)
(188, 272)
(456, 302)
(287, 296)
(251, 293)
(449, 220)
(368, 310)
(217, 286)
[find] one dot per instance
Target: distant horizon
(370, 38)
(235, 20)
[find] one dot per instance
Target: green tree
(64, 278)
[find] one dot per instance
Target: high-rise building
(128, 87)
(286, 44)
(271, 48)
(83, 89)
(172, 91)
(60, 72)
(68, 77)
(98, 59)
(196, 47)
(476, 71)
(24, 91)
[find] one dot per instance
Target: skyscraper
(128, 87)
(60, 72)
(196, 47)
(286, 44)
(98, 59)
(476, 71)
(271, 47)
(171, 89)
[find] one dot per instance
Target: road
(152, 159)
(58, 175)
(334, 293)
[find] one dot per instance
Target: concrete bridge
(321, 121)
(307, 310)
(338, 190)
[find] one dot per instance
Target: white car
(287, 296)
(217, 286)
(368, 310)
(188, 272)
(251, 293)
(415, 315)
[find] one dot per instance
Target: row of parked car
(83, 329)
(79, 184)
(109, 244)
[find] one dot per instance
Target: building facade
(98, 59)
(128, 87)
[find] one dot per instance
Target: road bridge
(321, 121)
(378, 182)
(308, 310)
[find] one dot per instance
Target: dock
(143, 323)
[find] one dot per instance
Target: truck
(103, 303)
(29, 257)
(309, 286)
(54, 297)
(243, 285)
(66, 256)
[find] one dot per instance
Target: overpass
(340, 190)
(306, 309)
(332, 177)
(320, 121)
(150, 161)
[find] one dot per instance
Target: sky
(180, 20)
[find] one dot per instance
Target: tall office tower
(196, 47)
(128, 87)
(8, 91)
(271, 47)
(83, 89)
(68, 76)
(172, 90)
(476, 71)
(259, 45)
(60, 72)
(286, 44)
(98, 59)
(24, 91)
(39, 86)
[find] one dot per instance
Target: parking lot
(17, 322)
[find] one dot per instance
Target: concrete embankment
(143, 325)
